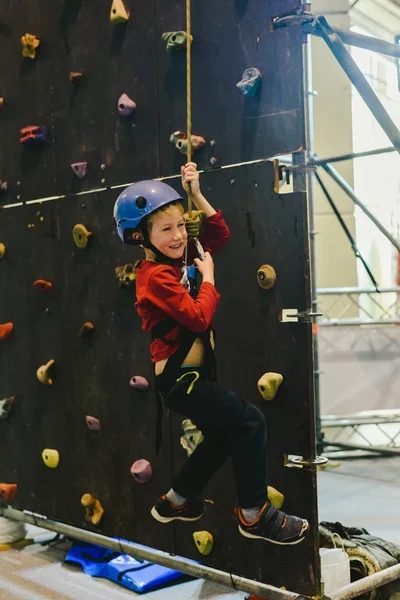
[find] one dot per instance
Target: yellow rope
(189, 96)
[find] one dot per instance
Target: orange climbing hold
(93, 509)
(29, 44)
(5, 330)
(42, 284)
(8, 491)
(2, 250)
(86, 328)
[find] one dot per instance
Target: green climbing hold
(176, 39)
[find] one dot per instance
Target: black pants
(231, 426)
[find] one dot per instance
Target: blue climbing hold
(250, 82)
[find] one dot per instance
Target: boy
(150, 214)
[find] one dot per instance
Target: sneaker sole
(161, 519)
(260, 537)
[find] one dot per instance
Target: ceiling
(384, 13)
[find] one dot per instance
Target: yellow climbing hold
(268, 385)
(44, 373)
(204, 541)
(81, 236)
(118, 13)
(93, 509)
(29, 44)
(51, 458)
(2, 250)
(275, 497)
(266, 277)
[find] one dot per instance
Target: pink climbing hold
(139, 382)
(79, 169)
(126, 106)
(92, 423)
(141, 471)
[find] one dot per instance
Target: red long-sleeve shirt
(161, 295)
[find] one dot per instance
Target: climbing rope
(189, 95)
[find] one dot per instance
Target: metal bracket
(292, 315)
(299, 462)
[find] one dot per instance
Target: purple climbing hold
(141, 471)
(93, 423)
(126, 106)
(250, 82)
(139, 382)
(79, 169)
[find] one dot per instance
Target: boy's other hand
(206, 267)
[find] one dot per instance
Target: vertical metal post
(309, 121)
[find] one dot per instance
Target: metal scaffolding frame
(335, 39)
(303, 165)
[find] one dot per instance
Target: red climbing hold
(141, 471)
(5, 330)
(8, 491)
(139, 382)
(41, 284)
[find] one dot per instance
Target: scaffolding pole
(150, 554)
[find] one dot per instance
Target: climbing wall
(45, 199)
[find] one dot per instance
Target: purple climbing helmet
(138, 201)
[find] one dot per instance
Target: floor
(363, 492)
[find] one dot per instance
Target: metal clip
(292, 315)
(299, 462)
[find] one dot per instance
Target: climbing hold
(5, 330)
(266, 277)
(275, 497)
(138, 382)
(76, 77)
(92, 423)
(93, 509)
(51, 458)
(204, 541)
(43, 285)
(6, 405)
(81, 236)
(192, 436)
(268, 385)
(118, 13)
(126, 275)
(175, 39)
(79, 169)
(1, 102)
(29, 44)
(33, 134)
(86, 328)
(44, 373)
(126, 106)
(3, 186)
(250, 82)
(179, 139)
(8, 491)
(141, 471)
(2, 251)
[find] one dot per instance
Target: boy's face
(168, 232)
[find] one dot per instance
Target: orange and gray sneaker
(273, 525)
(164, 512)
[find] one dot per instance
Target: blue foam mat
(136, 574)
